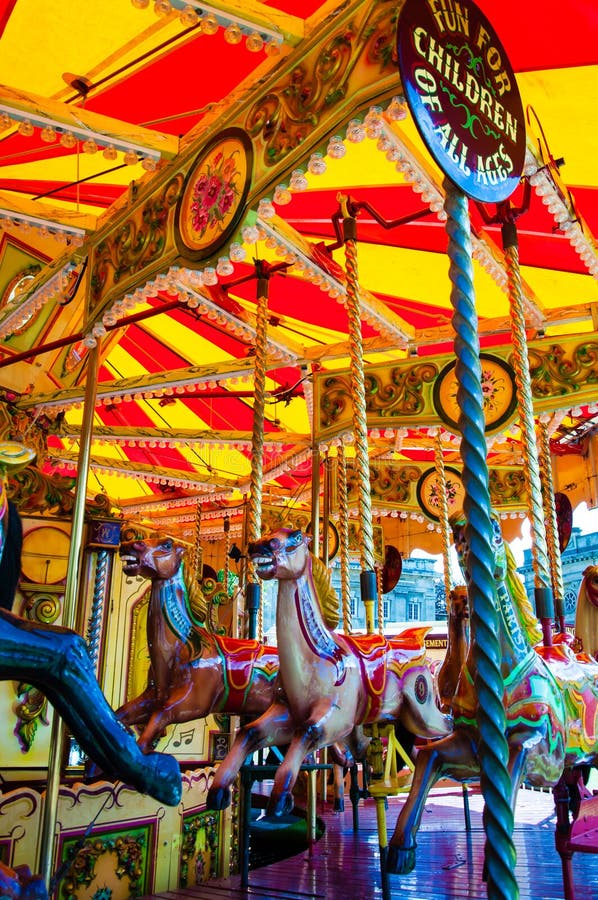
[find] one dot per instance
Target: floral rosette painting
(213, 195)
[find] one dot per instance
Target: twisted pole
(196, 559)
(94, 625)
(343, 508)
(500, 856)
(445, 528)
(552, 529)
(368, 575)
(254, 507)
(531, 469)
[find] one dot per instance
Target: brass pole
(344, 539)
(69, 616)
(368, 575)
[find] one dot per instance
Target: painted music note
(184, 738)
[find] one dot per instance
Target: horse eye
(167, 545)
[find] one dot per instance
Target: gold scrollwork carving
(398, 392)
(137, 242)
(554, 374)
(388, 483)
(403, 394)
(506, 487)
(285, 116)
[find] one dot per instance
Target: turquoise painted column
(495, 782)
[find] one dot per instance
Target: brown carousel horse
(586, 616)
(193, 671)
(332, 683)
(550, 699)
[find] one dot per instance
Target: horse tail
(327, 596)
(10, 563)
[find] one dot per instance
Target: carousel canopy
(156, 158)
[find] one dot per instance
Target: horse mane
(10, 563)
(523, 609)
(327, 596)
(198, 605)
(586, 614)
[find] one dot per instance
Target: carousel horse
(193, 671)
(456, 647)
(56, 661)
(586, 616)
(550, 700)
(332, 683)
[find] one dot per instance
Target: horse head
(284, 554)
(420, 709)
(154, 558)
(458, 603)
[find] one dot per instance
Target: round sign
(462, 93)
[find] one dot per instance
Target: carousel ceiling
(134, 135)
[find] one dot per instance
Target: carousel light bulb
(316, 164)
(140, 4)
(298, 181)
(397, 109)
(189, 16)
(237, 252)
(265, 209)
(5, 121)
(250, 234)
(254, 42)
(355, 131)
(336, 147)
(162, 7)
(110, 153)
(48, 134)
(272, 48)
(224, 266)
(26, 128)
(282, 195)
(90, 146)
(149, 164)
(209, 276)
(68, 140)
(233, 34)
(374, 122)
(209, 24)
(130, 158)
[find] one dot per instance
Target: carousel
(285, 285)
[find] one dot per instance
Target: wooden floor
(345, 865)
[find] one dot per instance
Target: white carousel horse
(332, 683)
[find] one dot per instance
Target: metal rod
(69, 616)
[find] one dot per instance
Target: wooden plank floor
(345, 865)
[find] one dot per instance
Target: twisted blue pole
(500, 856)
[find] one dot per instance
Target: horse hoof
(163, 778)
(218, 798)
(400, 860)
(281, 806)
(339, 805)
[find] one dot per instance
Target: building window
(570, 602)
(386, 610)
(414, 610)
